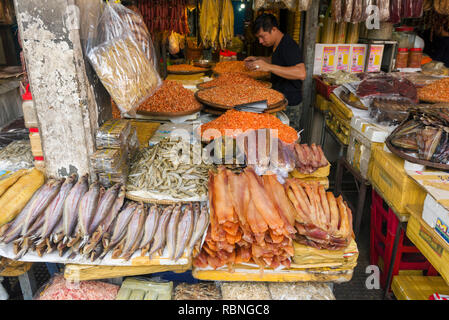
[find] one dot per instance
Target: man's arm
(296, 72)
(252, 59)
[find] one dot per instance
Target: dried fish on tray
(113, 134)
(426, 134)
(197, 291)
(171, 170)
(68, 221)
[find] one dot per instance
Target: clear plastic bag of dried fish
(16, 155)
(108, 160)
(113, 134)
(173, 169)
(426, 133)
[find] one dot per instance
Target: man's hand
(249, 60)
(259, 65)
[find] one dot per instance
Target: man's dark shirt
(287, 54)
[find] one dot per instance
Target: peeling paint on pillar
(65, 109)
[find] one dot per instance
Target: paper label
(358, 59)
(375, 56)
(327, 65)
(343, 58)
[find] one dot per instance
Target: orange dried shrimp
(233, 78)
(240, 94)
(171, 97)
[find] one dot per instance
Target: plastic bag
(337, 10)
(120, 59)
(395, 11)
(304, 5)
(173, 43)
(113, 134)
(418, 8)
(357, 13)
(389, 112)
(347, 11)
(384, 10)
(16, 155)
(58, 288)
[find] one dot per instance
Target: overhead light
(242, 6)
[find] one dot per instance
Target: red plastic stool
(384, 228)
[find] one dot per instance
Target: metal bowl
(202, 63)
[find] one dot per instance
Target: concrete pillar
(65, 99)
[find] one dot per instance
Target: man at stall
(286, 63)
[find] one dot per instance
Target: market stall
(197, 167)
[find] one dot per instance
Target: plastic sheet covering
(117, 50)
(57, 288)
(10, 102)
(16, 155)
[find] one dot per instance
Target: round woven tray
(169, 114)
(405, 156)
(187, 72)
(261, 76)
(266, 84)
(220, 106)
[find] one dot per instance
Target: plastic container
(415, 57)
(363, 138)
(29, 110)
(36, 145)
(405, 37)
(402, 58)
(388, 176)
(352, 35)
(323, 88)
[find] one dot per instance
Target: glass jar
(402, 58)
(415, 57)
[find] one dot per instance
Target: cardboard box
(330, 58)
(437, 217)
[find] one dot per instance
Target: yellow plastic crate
(430, 244)
(321, 103)
(320, 173)
(388, 176)
(418, 287)
(341, 107)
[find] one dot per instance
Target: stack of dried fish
(77, 219)
(309, 158)
(117, 143)
(268, 153)
(425, 132)
(251, 221)
(321, 220)
(170, 170)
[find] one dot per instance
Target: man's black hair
(266, 22)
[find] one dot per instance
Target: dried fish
(184, 233)
(172, 230)
(159, 237)
(200, 227)
(168, 169)
(150, 227)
